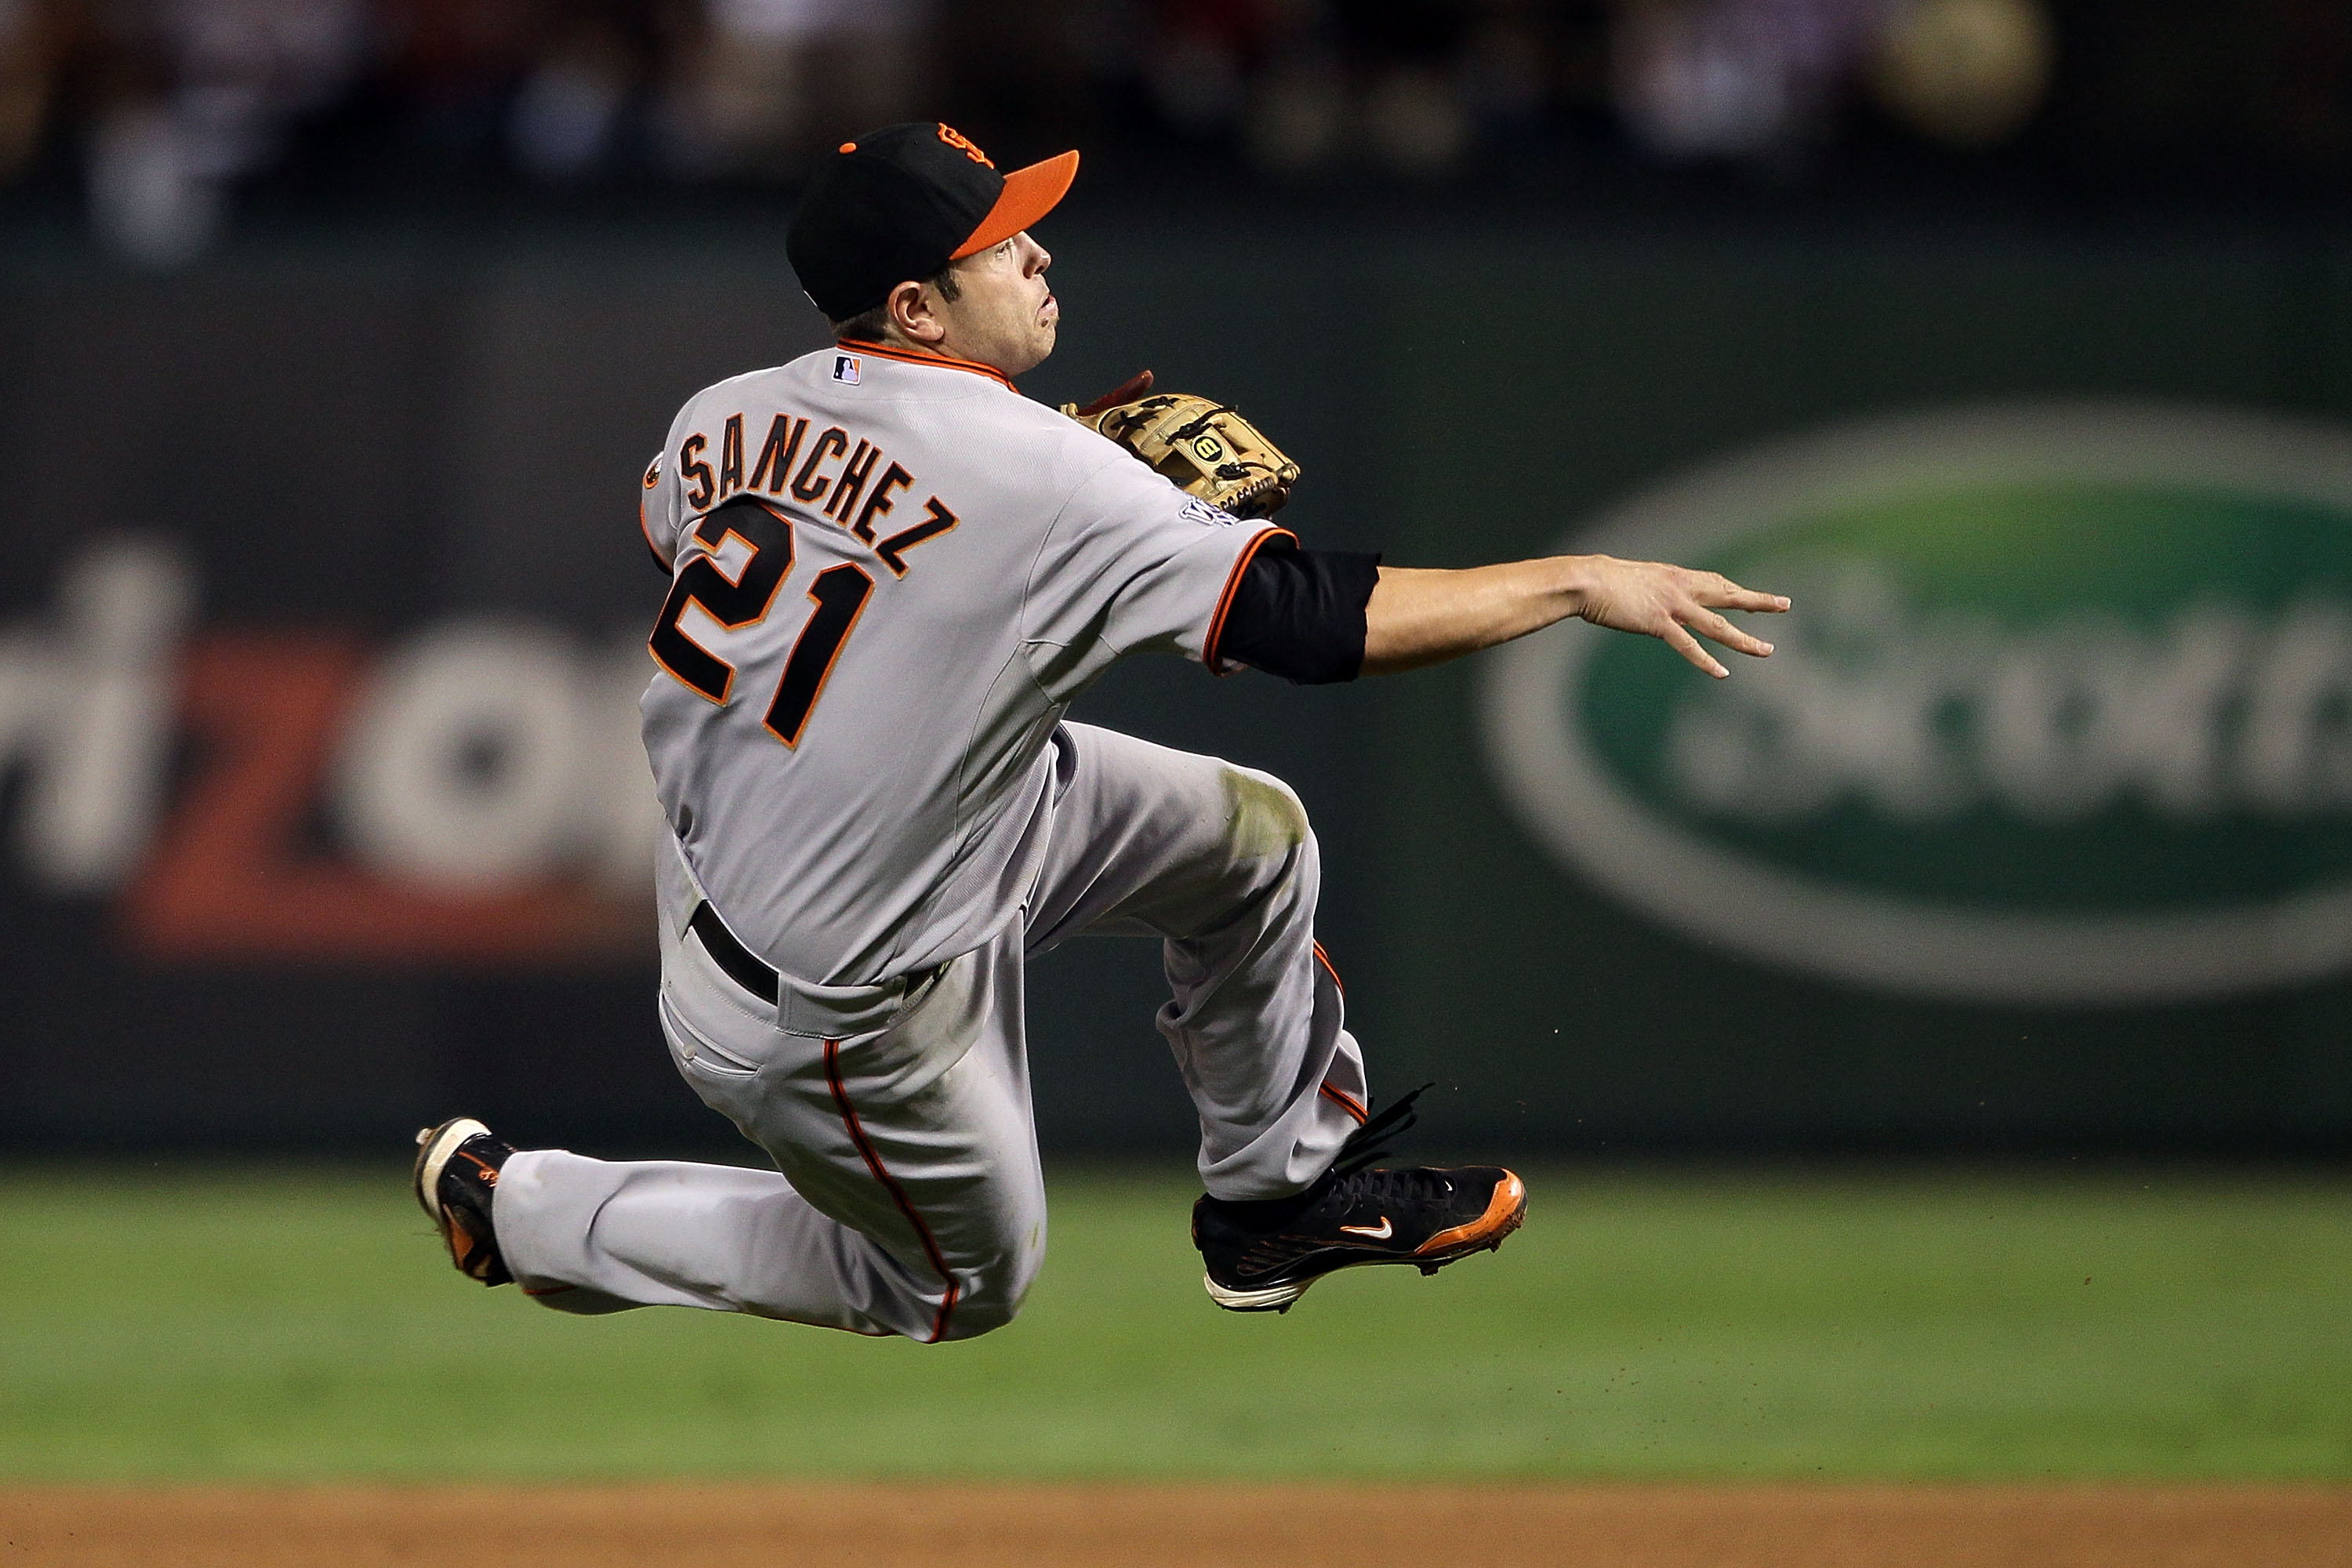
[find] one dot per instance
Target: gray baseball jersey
(892, 574)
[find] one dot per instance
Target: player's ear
(914, 313)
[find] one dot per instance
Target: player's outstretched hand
(1670, 602)
(1418, 617)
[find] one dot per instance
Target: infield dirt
(885, 1526)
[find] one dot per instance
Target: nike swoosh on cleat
(1380, 1232)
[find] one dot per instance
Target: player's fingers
(1683, 643)
(1706, 623)
(1718, 592)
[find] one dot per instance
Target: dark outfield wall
(321, 626)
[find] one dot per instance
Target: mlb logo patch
(845, 368)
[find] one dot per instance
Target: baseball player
(891, 574)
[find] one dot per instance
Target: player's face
(1004, 315)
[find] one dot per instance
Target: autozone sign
(473, 793)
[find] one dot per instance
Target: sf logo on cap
(955, 138)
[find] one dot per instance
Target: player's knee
(979, 1313)
(1266, 829)
(992, 1296)
(974, 1318)
(1263, 815)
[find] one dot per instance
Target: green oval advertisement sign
(2064, 712)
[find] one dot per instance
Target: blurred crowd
(159, 111)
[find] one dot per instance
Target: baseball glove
(1202, 447)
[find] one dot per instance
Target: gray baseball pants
(907, 1197)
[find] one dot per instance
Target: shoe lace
(1394, 1190)
(1375, 1140)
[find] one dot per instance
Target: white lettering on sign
(1922, 718)
(86, 701)
(474, 756)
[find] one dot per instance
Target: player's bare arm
(1417, 617)
(1311, 616)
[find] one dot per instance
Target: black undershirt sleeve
(1300, 614)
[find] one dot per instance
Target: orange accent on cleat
(1504, 1212)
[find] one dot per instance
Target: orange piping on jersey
(545, 1289)
(1233, 584)
(890, 1183)
(1324, 959)
(1347, 1102)
(907, 356)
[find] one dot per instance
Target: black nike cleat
(457, 1176)
(1263, 1255)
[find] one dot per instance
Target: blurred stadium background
(2013, 336)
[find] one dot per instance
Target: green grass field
(300, 1323)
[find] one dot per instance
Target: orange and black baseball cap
(902, 203)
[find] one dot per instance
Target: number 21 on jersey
(743, 600)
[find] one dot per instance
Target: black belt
(740, 964)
